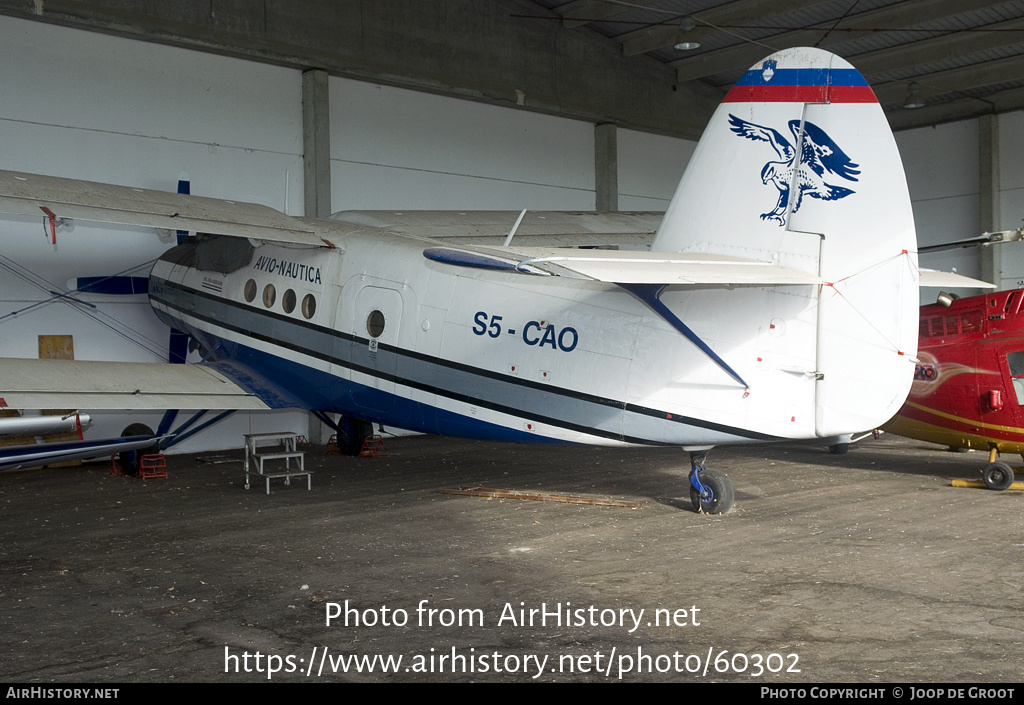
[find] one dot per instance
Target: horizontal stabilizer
(28, 194)
(51, 384)
(625, 267)
(951, 280)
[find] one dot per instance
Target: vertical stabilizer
(799, 166)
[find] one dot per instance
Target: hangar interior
(452, 105)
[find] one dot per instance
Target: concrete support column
(316, 143)
(316, 174)
(606, 167)
(989, 185)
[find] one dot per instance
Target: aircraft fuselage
(375, 331)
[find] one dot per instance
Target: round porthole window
(288, 301)
(250, 290)
(375, 323)
(308, 306)
(269, 295)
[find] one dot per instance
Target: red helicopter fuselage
(968, 389)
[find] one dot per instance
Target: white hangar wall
(943, 168)
(89, 106)
(650, 167)
(1011, 196)
(393, 148)
(945, 208)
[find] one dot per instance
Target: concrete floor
(867, 567)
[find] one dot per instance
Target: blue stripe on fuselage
(305, 387)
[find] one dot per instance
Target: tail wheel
(130, 459)
(997, 475)
(717, 496)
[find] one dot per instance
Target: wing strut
(650, 294)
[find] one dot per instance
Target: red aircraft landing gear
(711, 492)
(997, 474)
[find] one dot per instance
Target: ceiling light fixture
(913, 100)
(686, 25)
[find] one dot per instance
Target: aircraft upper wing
(28, 194)
(46, 384)
(624, 266)
(538, 228)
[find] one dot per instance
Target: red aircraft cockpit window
(1016, 362)
(971, 322)
(1012, 303)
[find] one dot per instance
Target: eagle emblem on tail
(818, 158)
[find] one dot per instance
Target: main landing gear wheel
(131, 459)
(717, 495)
(711, 492)
(997, 475)
(353, 433)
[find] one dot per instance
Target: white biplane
(777, 301)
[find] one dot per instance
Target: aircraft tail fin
(798, 166)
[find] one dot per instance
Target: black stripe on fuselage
(326, 356)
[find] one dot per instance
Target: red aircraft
(968, 389)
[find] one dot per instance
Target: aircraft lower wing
(44, 384)
(625, 267)
(15, 457)
(54, 197)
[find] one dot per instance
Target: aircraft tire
(722, 493)
(997, 475)
(355, 431)
(838, 448)
(131, 459)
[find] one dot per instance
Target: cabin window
(923, 328)
(222, 253)
(375, 323)
(269, 295)
(951, 325)
(308, 306)
(250, 290)
(1016, 362)
(970, 322)
(288, 301)
(937, 327)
